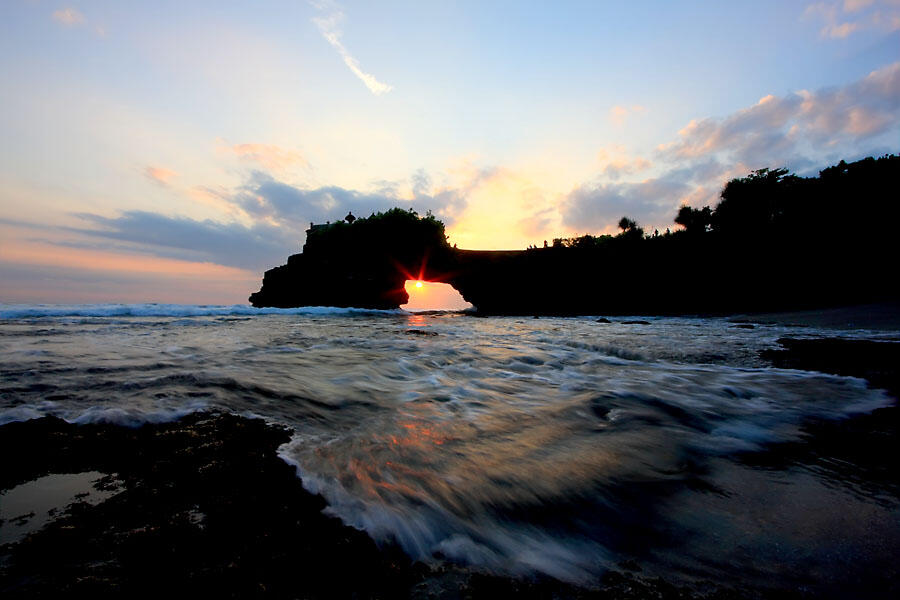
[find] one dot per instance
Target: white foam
(134, 416)
(125, 416)
(20, 413)
(426, 530)
(35, 311)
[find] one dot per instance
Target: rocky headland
(774, 242)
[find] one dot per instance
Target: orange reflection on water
(389, 466)
(371, 479)
(418, 435)
(416, 321)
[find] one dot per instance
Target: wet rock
(206, 508)
(603, 320)
(876, 361)
(858, 452)
(637, 322)
(261, 531)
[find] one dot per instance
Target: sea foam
(36, 311)
(513, 444)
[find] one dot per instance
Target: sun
(432, 295)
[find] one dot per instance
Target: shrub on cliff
(401, 235)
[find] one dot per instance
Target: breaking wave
(514, 445)
(35, 311)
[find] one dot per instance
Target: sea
(559, 447)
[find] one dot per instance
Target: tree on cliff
(775, 240)
(396, 232)
(694, 220)
(754, 205)
(630, 228)
(363, 263)
(625, 224)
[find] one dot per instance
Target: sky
(173, 151)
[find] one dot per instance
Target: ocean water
(555, 446)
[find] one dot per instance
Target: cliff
(665, 275)
(774, 242)
(363, 264)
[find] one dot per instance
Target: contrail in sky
(329, 27)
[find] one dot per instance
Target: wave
(36, 311)
(553, 484)
(125, 416)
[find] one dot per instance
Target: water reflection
(415, 320)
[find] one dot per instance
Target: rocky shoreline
(205, 506)
(202, 506)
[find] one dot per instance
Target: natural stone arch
(434, 295)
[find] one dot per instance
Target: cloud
(269, 156)
(329, 26)
(855, 5)
(217, 197)
(32, 283)
(841, 30)
(619, 114)
(593, 208)
(69, 17)
(269, 214)
(538, 223)
(276, 216)
(779, 128)
(160, 175)
(802, 131)
(255, 247)
(617, 163)
(263, 197)
(841, 19)
(506, 208)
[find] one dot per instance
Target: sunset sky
(171, 151)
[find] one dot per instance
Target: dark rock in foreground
(876, 361)
(421, 332)
(205, 508)
(862, 451)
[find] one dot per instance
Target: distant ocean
(559, 446)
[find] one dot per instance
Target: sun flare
(431, 295)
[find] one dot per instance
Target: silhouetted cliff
(775, 241)
(364, 263)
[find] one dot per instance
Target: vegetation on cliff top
(774, 241)
(850, 200)
(396, 232)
